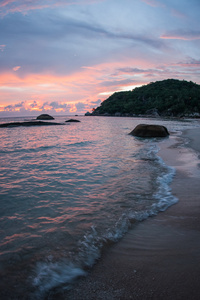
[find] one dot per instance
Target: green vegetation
(169, 97)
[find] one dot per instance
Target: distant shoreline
(146, 116)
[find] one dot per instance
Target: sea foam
(49, 275)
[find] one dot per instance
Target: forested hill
(169, 97)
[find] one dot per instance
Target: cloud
(180, 34)
(80, 106)
(96, 102)
(57, 105)
(65, 56)
(130, 70)
(33, 104)
(140, 72)
(178, 14)
(24, 6)
(2, 47)
(37, 106)
(153, 3)
(9, 108)
(61, 44)
(14, 107)
(16, 68)
(117, 83)
(191, 62)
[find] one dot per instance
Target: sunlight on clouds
(82, 90)
(76, 92)
(105, 93)
(131, 87)
(67, 55)
(16, 68)
(39, 106)
(123, 88)
(184, 37)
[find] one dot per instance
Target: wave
(28, 150)
(49, 275)
(79, 144)
(43, 148)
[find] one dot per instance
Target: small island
(28, 124)
(45, 117)
(167, 98)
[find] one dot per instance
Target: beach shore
(160, 257)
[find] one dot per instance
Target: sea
(69, 192)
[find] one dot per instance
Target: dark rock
(45, 117)
(145, 130)
(29, 123)
(72, 120)
(88, 113)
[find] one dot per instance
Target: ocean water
(67, 192)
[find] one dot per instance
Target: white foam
(164, 195)
(52, 274)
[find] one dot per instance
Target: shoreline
(158, 258)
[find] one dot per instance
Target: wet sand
(160, 257)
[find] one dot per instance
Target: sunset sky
(66, 56)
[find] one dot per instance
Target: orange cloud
(81, 90)
(40, 92)
(86, 85)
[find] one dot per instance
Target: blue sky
(65, 57)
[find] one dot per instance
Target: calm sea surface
(68, 191)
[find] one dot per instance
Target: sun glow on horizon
(73, 64)
(79, 91)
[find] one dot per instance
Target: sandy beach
(158, 258)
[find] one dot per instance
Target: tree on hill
(169, 97)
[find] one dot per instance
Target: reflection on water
(67, 190)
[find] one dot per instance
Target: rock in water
(72, 120)
(45, 117)
(28, 124)
(145, 130)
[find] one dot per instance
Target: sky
(66, 56)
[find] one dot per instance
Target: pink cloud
(23, 6)
(80, 90)
(153, 3)
(84, 89)
(2, 47)
(178, 14)
(6, 2)
(16, 68)
(192, 63)
(181, 35)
